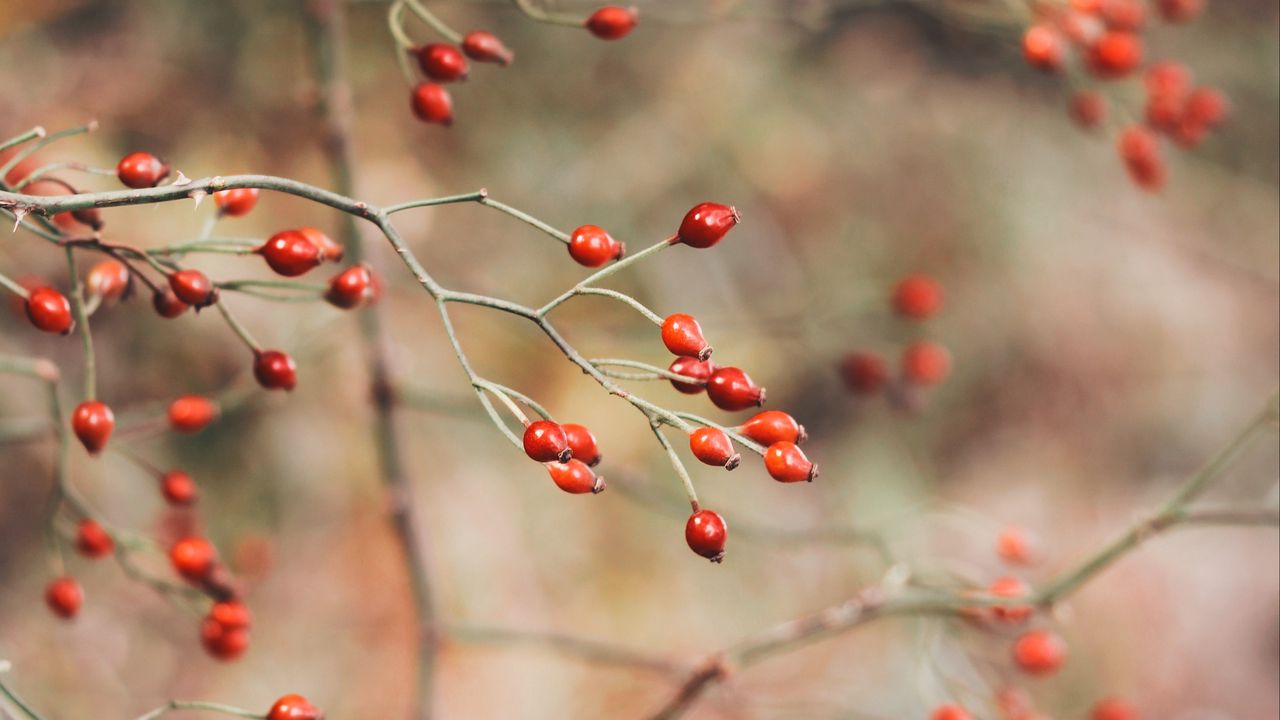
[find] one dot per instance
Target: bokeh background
(1105, 343)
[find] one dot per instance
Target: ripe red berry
(950, 712)
(732, 389)
(191, 413)
(575, 477)
(1140, 151)
(167, 304)
(1040, 652)
(330, 250)
(92, 421)
(713, 447)
(1042, 48)
(592, 247)
(1010, 587)
(236, 202)
(275, 370)
(178, 488)
(1114, 55)
(612, 23)
(193, 288)
(1114, 708)
(64, 597)
(484, 46)
(1014, 547)
(194, 558)
(290, 253)
(683, 336)
(706, 533)
(925, 363)
(773, 426)
(49, 310)
(582, 443)
(693, 368)
(1128, 15)
(1088, 109)
(786, 463)
(1178, 11)
(545, 441)
(864, 373)
(442, 62)
(350, 287)
(1207, 107)
(917, 296)
(294, 707)
(432, 104)
(108, 279)
(141, 170)
(92, 540)
(223, 643)
(706, 224)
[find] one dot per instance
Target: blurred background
(1105, 341)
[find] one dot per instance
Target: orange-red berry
(575, 477)
(1128, 15)
(236, 202)
(432, 104)
(1010, 587)
(64, 597)
(917, 296)
(773, 426)
(925, 363)
(92, 421)
(275, 370)
(582, 443)
(950, 712)
(108, 279)
(694, 368)
(49, 310)
(1015, 547)
(194, 558)
(545, 441)
(350, 287)
(1114, 708)
(713, 447)
(683, 336)
(484, 46)
(225, 630)
(141, 170)
(706, 533)
(193, 288)
(864, 373)
(178, 488)
(330, 250)
(441, 62)
(1114, 55)
(592, 247)
(1042, 48)
(290, 253)
(167, 304)
(706, 224)
(191, 413)
(786, 462)
(294, 707)
(92, 540)
(732, 389)
(612, 23)
(1040, 652)
(1140, 150)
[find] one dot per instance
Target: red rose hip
(167, 304)
(713, 447)
(141, 170)
(432, 104)
(275, 370)
(582, 443)
(1042, 48)
(575, 477)
(786, 462)
(178, 488)
(290, 253)
(193, 288)
(484, 46)
(545, 441)
(1040, 652)
(236, 202)
(193, 558)
(683, 336)
(92, 541)
(350, 288)
(64, 597)
(611, 23)
(773, 426)
(92, 421)
(441, 62)
(294, 707)
(706, 224)
(49, 310)
(925, 363)
(732, 389)
(591, 246)
(108, 279)
(917, 297)
(691, 368)
(706, 532)
(191, 413)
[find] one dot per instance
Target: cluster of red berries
(1015, 705)
(1108, 35)
(922, 362)
(443, 63)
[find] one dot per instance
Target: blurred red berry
(612, 23)
(275, 370)
(225, 630)
(1140, 150)
(330, 250)
(864, 373)
(432, 104)
(1128, 15)
(1179, 11)
(1010, 587)
(193, 558)
(1114, 55)
(92, 421)
(1114, 708)
(950, 712)
(441, 62)
(1042, 48)
(193, 288)
(167, 304)
(92, 540)
(64, 597)
(1040, 652)
(925, 363)
(294, 707)
(49, 310)
(1014, 547)
(706, 533)
(178, 488)
(917, 296)
(484, 46)
(1088, 109)
(108, 279)
(191, 413)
